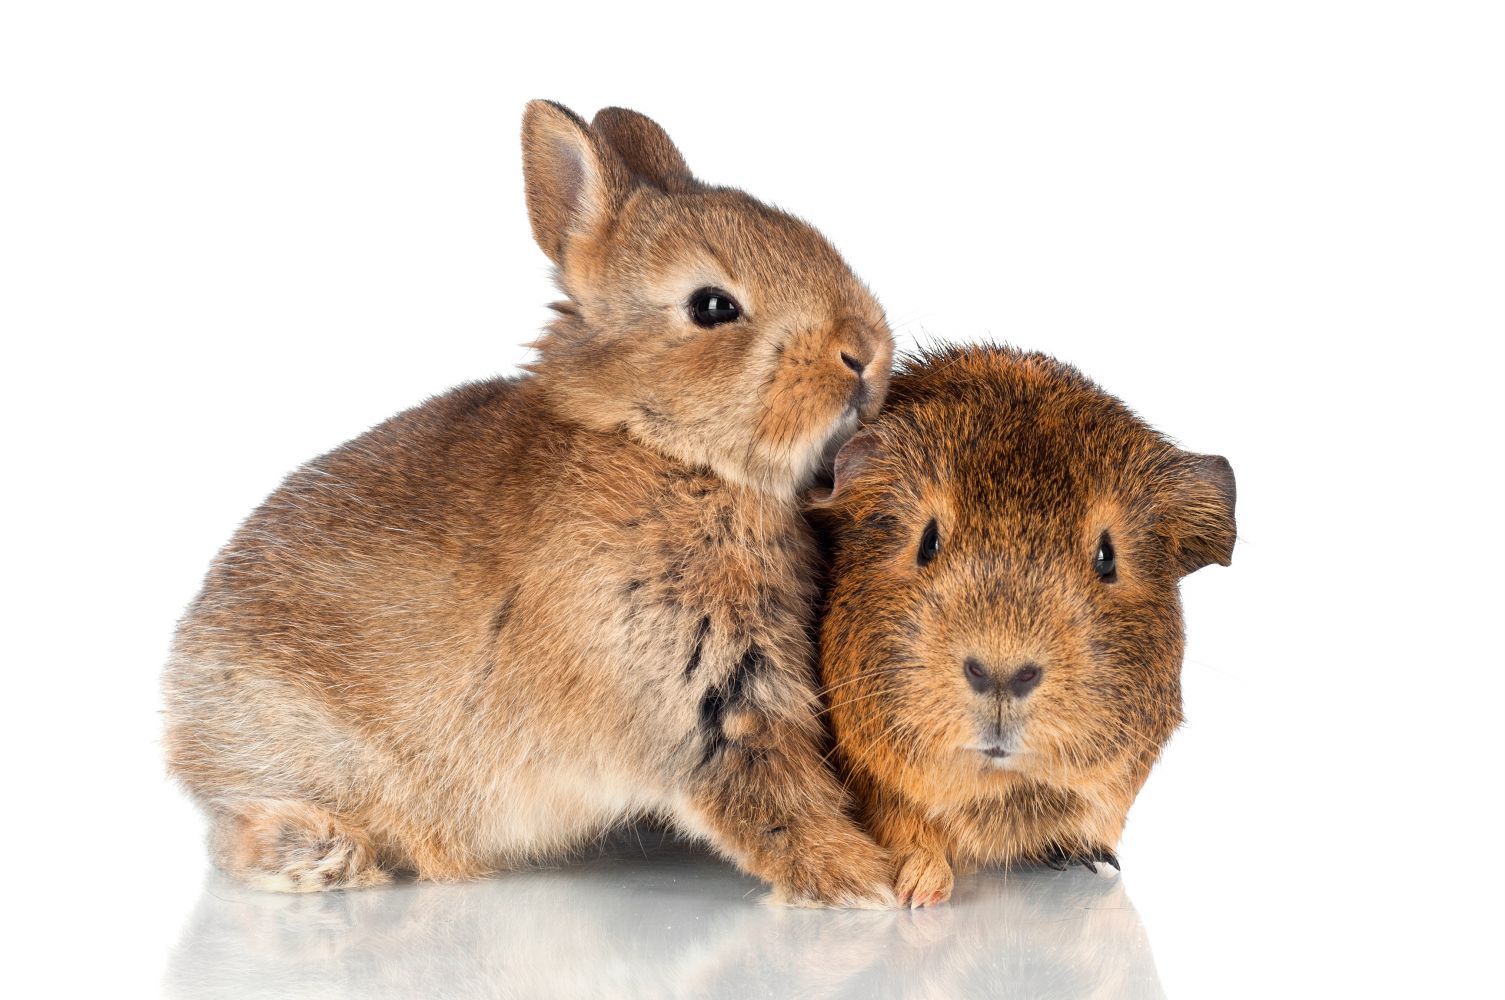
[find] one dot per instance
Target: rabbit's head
(708, 326)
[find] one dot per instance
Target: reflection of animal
(622, 925)
(1003, 644)
(511, 617)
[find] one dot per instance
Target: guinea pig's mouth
(999, 749)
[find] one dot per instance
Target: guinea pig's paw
(1060, 859)
(925, 879)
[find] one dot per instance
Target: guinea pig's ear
(854, 458)
(574, 180)
(1197, 511)
(644, 147)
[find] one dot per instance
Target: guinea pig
(1001, 650)
(508, 619)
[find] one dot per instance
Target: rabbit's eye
(930, 544)
(712, 307)
(1106, 563)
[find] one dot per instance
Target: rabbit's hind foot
(283, 845)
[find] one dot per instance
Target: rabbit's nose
(857, 354)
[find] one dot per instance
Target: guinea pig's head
(1008, 545)
(710, 327)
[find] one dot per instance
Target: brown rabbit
(516, 615)
(1002, 650)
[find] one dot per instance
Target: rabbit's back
(336, 647)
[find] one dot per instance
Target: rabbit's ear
(574, 181)
(645, 148)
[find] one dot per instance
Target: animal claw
(1060, 859)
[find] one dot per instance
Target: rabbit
(525, 611)
(1001, 650)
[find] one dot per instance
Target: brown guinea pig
(504, 621)
(1002, 648)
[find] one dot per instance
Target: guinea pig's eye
(712, 307)
(930, 543)
(1106, 563)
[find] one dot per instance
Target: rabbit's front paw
(848, 871)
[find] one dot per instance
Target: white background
(233, 236)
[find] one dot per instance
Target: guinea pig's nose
(979, 676)
(1025, 678)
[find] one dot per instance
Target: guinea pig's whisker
(862, 759)
(838, 687)
(1125, 731)
(867, 676)
(858, 700)
(924, 746)
(881, 737)
(1136, 738)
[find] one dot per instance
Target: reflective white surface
(652, 917)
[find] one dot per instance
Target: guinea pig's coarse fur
(529, 609)
(1002, 649)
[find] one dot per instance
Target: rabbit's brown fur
(509, 618)
(1023, 464)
